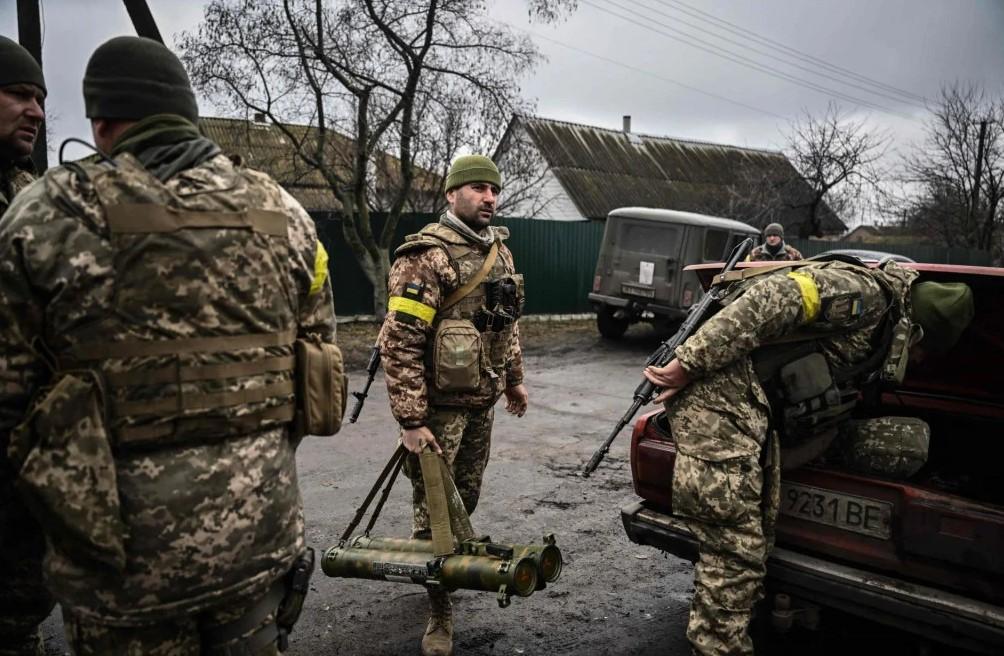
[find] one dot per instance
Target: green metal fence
(557, 259)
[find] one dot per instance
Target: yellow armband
(320, 269)
(810, 294)
(411, 307)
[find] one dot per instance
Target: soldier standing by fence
(450, 347)
(774, 248)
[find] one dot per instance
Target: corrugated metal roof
(674, 216)
(268, 148)
(603, 169)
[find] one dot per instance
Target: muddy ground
(614, 597)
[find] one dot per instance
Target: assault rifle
(371, 369)
(666, 352)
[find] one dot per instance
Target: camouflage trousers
(719, 425)
(233, 627)
(25, 602)
(465, 435)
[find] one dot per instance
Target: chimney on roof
(627, 124)
(259, 117)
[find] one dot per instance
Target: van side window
(714, 245)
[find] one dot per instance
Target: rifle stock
(664, 355)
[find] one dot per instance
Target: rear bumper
(636, 305)
(938, 615)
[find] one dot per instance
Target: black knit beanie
(132, 77)
(17, 66)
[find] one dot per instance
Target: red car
(925, 554)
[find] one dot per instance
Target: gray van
(639, 273)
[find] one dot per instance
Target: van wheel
(609, 326)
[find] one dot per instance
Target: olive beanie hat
(17, 66)
(472, 168)
(943, 310)
(132, 77)
(773, 229)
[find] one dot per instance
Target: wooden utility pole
(29, 33)
(979, 171)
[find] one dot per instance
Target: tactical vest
(472, 338)
(193, 349)
(809, 395)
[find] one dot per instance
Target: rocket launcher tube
(546, 557)
(469, 572)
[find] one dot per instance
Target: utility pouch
(66, 470)
(456, 356)
(321, 387)
(805, 378)
(297, 584)
(894, 366)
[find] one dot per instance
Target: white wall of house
(559, 205)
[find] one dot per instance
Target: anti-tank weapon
(371, 369)
(453, 558)
(666, 352)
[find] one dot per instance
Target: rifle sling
(461, 292)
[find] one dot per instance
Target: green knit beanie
(472, 168)
(132, 77)
(773, 229)
(17, 66)
(944, 310)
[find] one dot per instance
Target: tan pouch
(321, 387)
(66, 470)
(456, 356)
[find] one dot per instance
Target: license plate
(638, 291)
(844, 511)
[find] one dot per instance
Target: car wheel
(609, 326)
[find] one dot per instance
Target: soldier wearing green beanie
(737, 388)
(454, 277)
(25, 601)
(161, 262)
(774, 248)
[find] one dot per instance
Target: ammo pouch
(456, 356)
(894, 366)
(66, 470)
(321, 387)
(812, 401)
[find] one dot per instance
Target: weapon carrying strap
(448, 518)
(461, 292)
(391, 469)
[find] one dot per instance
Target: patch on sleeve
(320, 269)
(843, 308)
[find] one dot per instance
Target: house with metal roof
(589, 171)
(272, 149)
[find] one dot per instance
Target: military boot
(438, 638)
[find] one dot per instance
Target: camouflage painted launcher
(546, 557)
(517, 576)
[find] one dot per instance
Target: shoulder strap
(461, 292)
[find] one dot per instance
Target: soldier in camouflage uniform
(447, 359)
(774, 248)
(150, 301)
(25, 601)
(719, 411)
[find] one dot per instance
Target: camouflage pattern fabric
(465, 436)
(25, 602)
(720, 423)
(887, 446)
(202, 521)
(786, 254)
(426, 264)
(181, 636)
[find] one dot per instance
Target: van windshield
(649, 238)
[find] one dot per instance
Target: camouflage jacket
(426, 268)
(169, 528)
(786, 254)
(842, 304)
(12, 180)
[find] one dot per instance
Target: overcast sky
(645, 58)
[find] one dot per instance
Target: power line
(745, 32)
(788, 60)
(649, 73)
(741, 60)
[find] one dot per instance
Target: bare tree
(420, 79)
(839, 160)
(959, 169)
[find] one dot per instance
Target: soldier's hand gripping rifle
(371, 369)
(666, 352)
